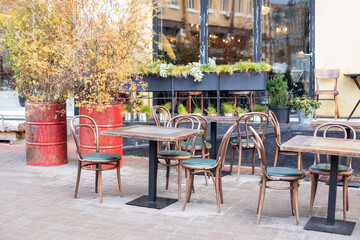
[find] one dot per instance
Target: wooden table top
(320, 145)
(355, 125)
(152, 133)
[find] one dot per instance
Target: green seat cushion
(198, 144)
(205, 162)
(284, 172)
(101, 156)
(325, 167)
(173, 153)
(243, 141)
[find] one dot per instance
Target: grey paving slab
(38, 203)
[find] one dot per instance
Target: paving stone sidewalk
(38, 203)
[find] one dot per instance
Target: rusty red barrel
(109, 118)
(46, 135)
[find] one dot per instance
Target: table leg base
(340, 226)
(160, 202)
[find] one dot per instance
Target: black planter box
(211, 82)
(243, 81)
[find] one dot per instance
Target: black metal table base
(339, 227)
(160, 202)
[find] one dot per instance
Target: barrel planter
(46, 135)
(109, 118)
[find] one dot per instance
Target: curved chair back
(345, 128)
(204, 127)
(275, 123)
(157, 111)
(245, 119)
(220, 158)
(186, 121)
(94, 130)
(259, 144)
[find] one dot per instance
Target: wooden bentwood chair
(173, 154)
(243, 142)
(267, 174)
(205, 165)
(94, 161)
(275, 123)
(319, 168)
(327, 74)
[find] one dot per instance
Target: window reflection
(285, 35)
(179, 31)
(230, 34)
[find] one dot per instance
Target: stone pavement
(38, 203)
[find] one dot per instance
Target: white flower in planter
(195, 71)
(163, 69)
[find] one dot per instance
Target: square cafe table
(153, 134)
(328, 146)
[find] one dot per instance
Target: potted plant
(211, 110)
(145, 112)
(197, 111)
(278, 97)
(37, 45)
(228, 109)
(182, 109)
(305, 107)
(258, 108)
(167, 105)
(240, 110)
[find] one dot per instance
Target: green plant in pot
(305, 106)
(240, 110)
(258, 108)
(278, 97)
(228, 109)
(182, 109)
(197, 111)
(145, 112)
(211, 111)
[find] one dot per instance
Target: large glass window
(230, 34)
(285, 35)
(179, 31)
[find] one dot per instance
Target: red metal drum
(109, 118)
(46, 135)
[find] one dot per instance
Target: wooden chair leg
(313, 192)
(167, 161)
(119, 178)
(260, 189)
(220, 189)
(276, 158)
(296, 188)
(188, 189)
(262, 197)
(206, 178)
(253, 161)
(345, 192)
(97, 178)
(217, 181)
(232, 159)
(188, 104)
(336, 108)
(78, 179)
(179, 180)
(292, 198)
(239, 162)
(316, 98)
(100, 183)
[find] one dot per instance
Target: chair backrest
(245, 119)
(275, 123)
(157, 111)
(94, 129)
(326, 74)
(345, 128)
(204, 127)
(185, 121)
(259, 144)
(221, 155)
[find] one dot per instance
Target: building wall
(337, 45)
